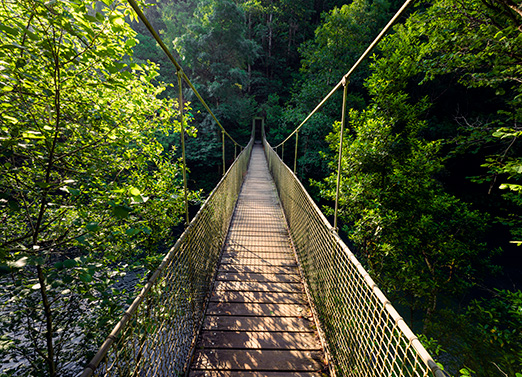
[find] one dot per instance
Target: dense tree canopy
(85, 184)
(444, 112)
(431, 185)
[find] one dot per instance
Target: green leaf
(131, 42)
(69, 263)
(134, 191)
(121, 212)
(72, 191)
(139, 199)
(92, 227)
(85, 277)
(118, 21)
(91, 18)
(132, 231)
(9, 30)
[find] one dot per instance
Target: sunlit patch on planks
(258, 321)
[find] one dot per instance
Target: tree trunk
(48, 323)
(270, 33)
(249, 66)
(432, 305)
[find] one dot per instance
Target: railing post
(180, 76)
(223, 142)
(341, 137)
(235, 151)
(295, 157)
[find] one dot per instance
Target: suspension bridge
(260, 284)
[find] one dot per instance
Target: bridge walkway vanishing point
(258, 321)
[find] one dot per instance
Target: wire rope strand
(149, 26)
(352, 69)
(223, 143)
(339, 162)
(295, 156)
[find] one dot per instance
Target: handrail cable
(354, 67)
(364, 333)
(295, 154)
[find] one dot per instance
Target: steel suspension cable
(354, 67)
(149, 26)
(295, 155)
(182, 76)
(223, 145)
(339, 161)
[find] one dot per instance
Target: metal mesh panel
(365, 335)
(158, 331)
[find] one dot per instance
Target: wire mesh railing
(365, 335)
(157, 334)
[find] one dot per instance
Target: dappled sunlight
(258, 320)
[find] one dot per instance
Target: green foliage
(85, 183)
(217, 50)
(414, 237)
(486, 336)
(445, 103)
(339, 41)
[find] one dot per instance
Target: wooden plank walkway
(258, 322)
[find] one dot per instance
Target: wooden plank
(261, 360)
(258, 297)
(277, 241)
(257, 286)
(215, 373)
(254, 231)
(265, 243)
(273, 257)
(304, 341)
(260, 262)
(258, 269)
(278, 232)
(245, 276)
(257, 309)
(269, 250)
(237, 323)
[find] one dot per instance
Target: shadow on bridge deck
(258, 321)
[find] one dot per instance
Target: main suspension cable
(142, 17)
(354, 67)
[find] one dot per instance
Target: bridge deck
(258, 322)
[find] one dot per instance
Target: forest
(91, 186)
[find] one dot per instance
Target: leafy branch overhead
(85, 183)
